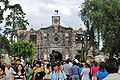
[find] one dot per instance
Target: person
(56, 74)
(38, 71)
(119, 65)
(47, 71)
(67, 69)
(9, 71)
(94, 68)
(119, 69)
(112, 68)
(102, 73)
(2, 72)
(19, 74)
(75, 71)
(18, 61)
(80, 68)
(31, 74)
(85, 72)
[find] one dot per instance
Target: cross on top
(56, 11)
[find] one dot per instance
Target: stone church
(55, 37)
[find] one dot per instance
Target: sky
(39, 12)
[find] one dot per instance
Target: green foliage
(104, 17)
(15, 21)
(78, 57)
(4, 43)
(23, 48)
(5, 3)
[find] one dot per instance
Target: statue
(55, 56)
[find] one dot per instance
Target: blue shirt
(101, 74)
(75, 69)
(60, 76)
(80, 70)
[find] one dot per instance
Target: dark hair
(31, 67)
(67, 61)
(22, 71)
(56, 64)
(81, 65)
(38, 62)
(111, 65)
(101, 66)
(18, 60)
(74, 63)
(2, 67)
(86, 64)
(95, 63)
(48, 65)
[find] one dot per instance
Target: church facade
(55, 38)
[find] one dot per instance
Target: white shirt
(85, 74)
(9, 72)
(112, 77)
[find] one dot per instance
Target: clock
(55, 20)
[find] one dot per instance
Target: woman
(38, 71)
(85, 72)
(102, 73)
(47, 71)
(30, 77)
(94, 68)
(19, 74)
(2, 73)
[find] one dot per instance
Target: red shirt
(94, 69)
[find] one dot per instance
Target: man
(67, 69)
(57, 74)
(112, 69)
(75, 71)
(8, 71)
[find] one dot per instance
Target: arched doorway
(55, 56)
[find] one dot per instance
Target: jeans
(75, 77)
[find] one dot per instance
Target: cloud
(40, 11)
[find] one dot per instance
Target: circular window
(56, 39)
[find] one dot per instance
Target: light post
(80, 40)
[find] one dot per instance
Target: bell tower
(56, 19)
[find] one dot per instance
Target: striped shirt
(18, 77)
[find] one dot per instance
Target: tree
(15, 21)
(4, 46)
(105, 20)
(5, 4)
(23, 49)
(4, 43)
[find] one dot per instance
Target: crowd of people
(64, 70)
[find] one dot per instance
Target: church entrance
(55, 56)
